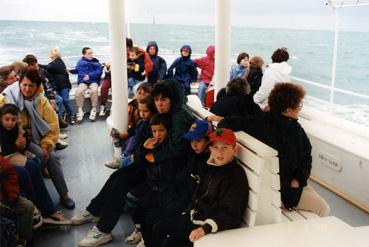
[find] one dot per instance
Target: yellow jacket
(47, 113)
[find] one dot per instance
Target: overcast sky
(306, 14)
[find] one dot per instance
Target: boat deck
(89, 147)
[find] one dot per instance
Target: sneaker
(102, 111)
(92, 116)
(95, 238)
(135, 237)
(60, 145)
(37, 220)
(83, 218)
(72, 119)
(57, 218)
(63, 136)
(80, 115)
(141, 243)
(21, 243)
(113, 164)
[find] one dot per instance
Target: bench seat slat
(250, 159)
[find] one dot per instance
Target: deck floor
(89, 147)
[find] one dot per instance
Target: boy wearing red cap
(217, 204)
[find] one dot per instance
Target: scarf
(38, 126)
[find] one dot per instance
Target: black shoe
(61, 146)
(62, 123)
(68, 203)
(72, 120)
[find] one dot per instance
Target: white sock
(80, 109)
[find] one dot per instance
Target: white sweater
(274, 73)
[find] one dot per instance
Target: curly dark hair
(285, 95)
(32, 74)
(241, 56)
(280, 55)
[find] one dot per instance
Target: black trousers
(110, 201)
(173, 232)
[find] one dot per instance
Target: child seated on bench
(219, 201)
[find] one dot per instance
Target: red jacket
(206, 64)
(9, 181)
(147, 61)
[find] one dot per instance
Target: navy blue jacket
(185, 69)
(58, 72)
(159, 65)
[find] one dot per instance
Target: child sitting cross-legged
(217, 204)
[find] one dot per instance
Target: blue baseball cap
(198, 130)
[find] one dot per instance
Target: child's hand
(123, 134)
(45, 153)
(150, 143)
(20, 142)
(196, 234)
(86, 78)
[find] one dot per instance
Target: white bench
(261, 165)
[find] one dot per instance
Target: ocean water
(310, 51)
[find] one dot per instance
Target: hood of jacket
(178, 99)
(186, 47)
(210, 51)
(152, 43)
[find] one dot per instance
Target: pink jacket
(206, 64)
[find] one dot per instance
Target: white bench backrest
(261, 165)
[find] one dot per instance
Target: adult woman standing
(58, 71)
(39, 119)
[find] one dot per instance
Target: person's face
(162, 104)
(145, 113)
(199, 145)
(89, 54)
(8, 121)
(185, 53)
(159, 132)
(12, 77)
(152, 50)
(140, 94)
(245, 62)
(221, 153)
(28, 88)
(132, 55)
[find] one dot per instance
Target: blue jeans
(202, 91)
(126, 161)
(59, 103)
(64, 94)
(36, 189)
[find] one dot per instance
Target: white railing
(333, 90)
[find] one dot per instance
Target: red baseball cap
(223, 135)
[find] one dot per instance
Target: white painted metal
(334, 62)
(222, 43)
(347, 3)
(118, 58)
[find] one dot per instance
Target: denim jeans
(202, 91)
(126, 161)
(64, 93)
(59, 103)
